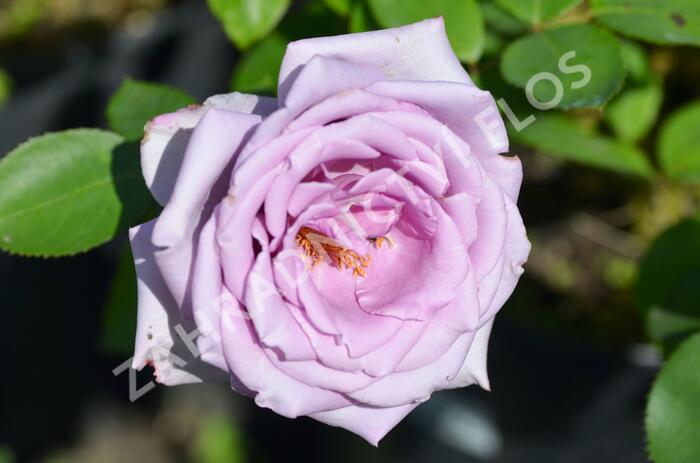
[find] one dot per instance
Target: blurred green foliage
(6, 455)
(673, 411)
(218, 441)
(247, 21)
(5, 86)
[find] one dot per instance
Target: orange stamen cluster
(316, 245)
(378, 241)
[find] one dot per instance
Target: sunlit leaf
(658, 21)
(636, 61)
(633, 113)
(536, 11)
(679, 144)
(247, 21)
(673, 410)
(258, 70)
(583, 66)
(558, 136)
(361, 19)
(497, 19)
(342, 7)
(66, 192)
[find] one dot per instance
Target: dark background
(558, 396)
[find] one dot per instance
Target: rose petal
(322, 77)
(273, 389)
(417, 385)
(468, 111)
(498, 285)
(158, 315)
(371, 423)
(214, 144)
(445, 327)
(473, 371)
(419, 51)
(166, 138)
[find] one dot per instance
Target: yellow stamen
(378, 241)
(316, 246)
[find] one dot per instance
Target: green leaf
(537, 11)
(342, 7)
(559, 136)
(361, 19)
(5, 86)
(673, 410)
(526, 59)
(463, 21)
(493, 44)
(7, 455)
(66, 192)
(633, 113)
(679, 144)
(499, 20)
(672, 22)
(311, 19)
(135, 103)
(247, 21)
(258, 70)
(636, 62)
(666, 292)
(119, 322)
(218, 441)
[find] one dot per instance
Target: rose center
(318, 247)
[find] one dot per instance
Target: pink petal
(370, 423)
(214, 144)
(166, 138)
(419, 51)
(469, 112)
(346, 104)
(445, 327)
(417, 385)
(158, 315)
(473, 371)
(322, 77)
(273, 389)
(498, 285)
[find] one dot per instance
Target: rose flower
(338, 252)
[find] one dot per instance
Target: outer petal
(417, 385)
(273, 389)
(166, 138)
(506, 274)
(419, 51)
(158, 315)
(370, 423)
(473, 370)
(214, 145)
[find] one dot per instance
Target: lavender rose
(339, 252)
